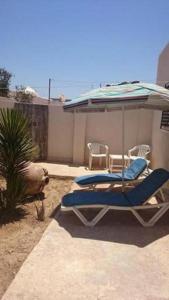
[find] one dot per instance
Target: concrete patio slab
(68, 170)
(117, 259)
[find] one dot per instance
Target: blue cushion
(135, 169)
(91, 197)
(130, 173)
(137, 196)
(147, 187)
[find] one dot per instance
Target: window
(165, 120)
(167, 85)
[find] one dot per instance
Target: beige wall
(107, 128)
(69, 133)
(79, 136)
(160, 138)
(60, 134)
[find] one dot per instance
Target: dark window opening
(167, 85)
(165, 120)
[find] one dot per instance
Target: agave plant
(16, 150)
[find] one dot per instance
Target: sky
(81, 44)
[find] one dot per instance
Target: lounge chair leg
(140, 219)
(154, 219)
(90, 162)
(107, 163)
(159, 214)
(162, 195)
(110, 187)
(95, 220)
(81, 217)
(91, 187)
(148, 171)
(99, 216)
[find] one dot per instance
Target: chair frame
(98, 155)
(139, 148)
(141, 177)
(93, 186)
(162, 208)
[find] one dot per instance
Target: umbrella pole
(123, 144)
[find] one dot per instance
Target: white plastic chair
(97, 150)
(139, 151)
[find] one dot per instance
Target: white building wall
(160, 138)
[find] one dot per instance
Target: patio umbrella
(121, 97)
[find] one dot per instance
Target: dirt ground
(21, 233)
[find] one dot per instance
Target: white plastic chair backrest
(94, 148)
(143, 150)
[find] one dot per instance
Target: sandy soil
(20, 233)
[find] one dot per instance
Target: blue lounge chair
(131, 174)
(133, 200)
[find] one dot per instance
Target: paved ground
(118, 259)
(71, 171)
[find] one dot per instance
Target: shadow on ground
(12, 216)
(18, 213)
(117, 227)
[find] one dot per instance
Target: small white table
(117, 157)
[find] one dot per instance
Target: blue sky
(81, 43)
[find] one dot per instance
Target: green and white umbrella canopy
(130, 95)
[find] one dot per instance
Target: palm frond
(16, 150)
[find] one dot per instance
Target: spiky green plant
(16, 150)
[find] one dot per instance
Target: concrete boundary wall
(6, 103)
(79, 138)
(69, 133)
(60, 135)
(107, 128)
